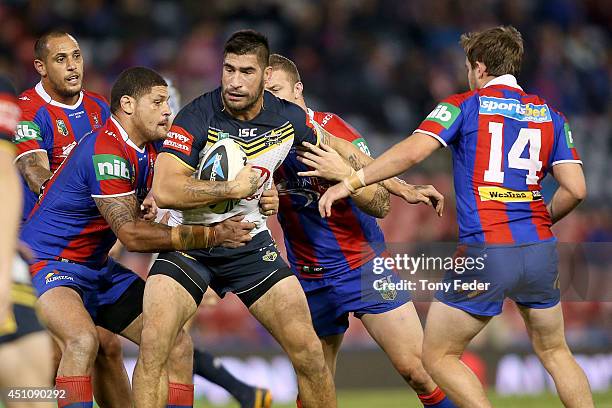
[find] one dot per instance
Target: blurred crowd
(382, 65)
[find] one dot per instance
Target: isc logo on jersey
(109, 167)
(514, 109)
(445, 114)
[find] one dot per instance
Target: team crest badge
(274, 137)
(270, 256)
(387, 294)
(96, 120)
(61, 127)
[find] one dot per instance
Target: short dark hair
(40, 46)
(277, 61)
(134, 82)
(499, 48)
(248, 42)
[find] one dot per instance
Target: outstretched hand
(324, 161)
(333, 194)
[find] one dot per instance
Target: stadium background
(381, 65)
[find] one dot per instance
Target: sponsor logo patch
(362, 145)
(27, 131)
(110, 167)
(444, 114)
(507, 196)
(568, 136)
(179, 139)
(55, 276)
(514, 109)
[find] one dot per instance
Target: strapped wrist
(186, 237)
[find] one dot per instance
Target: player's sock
(180, 395)
(77, 392)
(436, 399)
(204, 365)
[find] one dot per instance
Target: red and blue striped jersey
(66, 223)
(52, 127)
(324, 246)
(503, 143)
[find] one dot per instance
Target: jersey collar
(47, 98)
(126, 137)
(506, 80)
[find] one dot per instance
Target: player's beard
(62, 90)
(244, 106)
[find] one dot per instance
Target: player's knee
(551, 349)
(309, 357)
(110, 347)
(412, 370)
(431, 361)
(82, 345)
(154, 348)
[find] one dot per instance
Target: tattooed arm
(412, 194)
(373, 199)
(174, 187)
(34, 167)
(123, 215)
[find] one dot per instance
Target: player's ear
(298, 90)
(481, 70)
(267, 74)
(39, 66)
(128, 104)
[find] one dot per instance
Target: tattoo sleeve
(34, 167)
(138, 235)
(122, 214)
(373, 200)
(199, 193)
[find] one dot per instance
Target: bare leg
(331, 347)
(110, 381)
(400, 334)
(447, 333)
(166, 308)
(64, 314)
(283, 311)
(545, 327)
(27, 362)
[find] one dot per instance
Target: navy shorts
(249, 271)
(112, 294)
(525, 273)
(332, 298)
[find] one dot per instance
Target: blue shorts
(524, 273)
(332, 298)
(111, 294)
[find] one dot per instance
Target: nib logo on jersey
(109, 167)
(445, 114)
(55, 276)
(514, 109)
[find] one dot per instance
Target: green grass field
(402, 399)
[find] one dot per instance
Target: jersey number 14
(494, 173)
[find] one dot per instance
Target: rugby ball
(222, 162)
